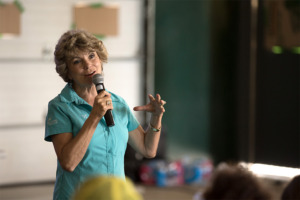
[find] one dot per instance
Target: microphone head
(98, 78)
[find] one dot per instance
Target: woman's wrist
(95, 116)
(155, 122)
(154, 129)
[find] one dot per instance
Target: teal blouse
(105, 155)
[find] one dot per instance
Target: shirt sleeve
(57, 121)
(132, 121)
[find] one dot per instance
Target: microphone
(98, 81)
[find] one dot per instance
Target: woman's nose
(86, 64)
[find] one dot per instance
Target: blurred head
(73, 43)
(292, 190)
(234, 182)
(107, 188)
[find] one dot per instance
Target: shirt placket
(109, 151)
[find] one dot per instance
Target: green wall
(182, 61)
(194, 71)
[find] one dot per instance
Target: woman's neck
(86, 93)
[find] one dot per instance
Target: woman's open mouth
(91, 74)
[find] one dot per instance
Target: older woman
(85, 146)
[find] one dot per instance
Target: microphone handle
(108, 115)
(109, 118)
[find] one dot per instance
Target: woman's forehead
(79, 53)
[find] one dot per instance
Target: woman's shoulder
(119, 100)
(57, 101)
(116, 98)
(65, 96)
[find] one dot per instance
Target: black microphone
(98, 81)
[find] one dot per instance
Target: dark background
(202, 56)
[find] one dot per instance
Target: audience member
(234, 182)
(107, 188)
(292, 190)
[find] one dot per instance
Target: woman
(83, 143)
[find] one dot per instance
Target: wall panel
(28, 81)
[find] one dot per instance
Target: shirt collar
(69, 95)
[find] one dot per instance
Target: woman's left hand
(155, 106)
(146, 141)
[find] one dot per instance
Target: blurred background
(228, 69)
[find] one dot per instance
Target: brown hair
(292, 190)
(72, 42)
(235, 182)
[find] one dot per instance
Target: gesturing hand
(155, 106)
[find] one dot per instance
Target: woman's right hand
(102, 103)
(70, 150)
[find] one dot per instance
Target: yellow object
(107, 188)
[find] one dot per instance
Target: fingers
(155, 106)
(103, 101)
(108, 102)
(151, 98)
(140, 108)
(162, 109)
(104, 98)
(162, 102)
(103, 93)
(157, 99)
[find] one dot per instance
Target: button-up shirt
(105, 155)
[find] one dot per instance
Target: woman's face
(82, 67)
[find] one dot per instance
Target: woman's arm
(146, 142)
(70, 150)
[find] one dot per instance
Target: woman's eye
(92, 55)
(76, 62)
